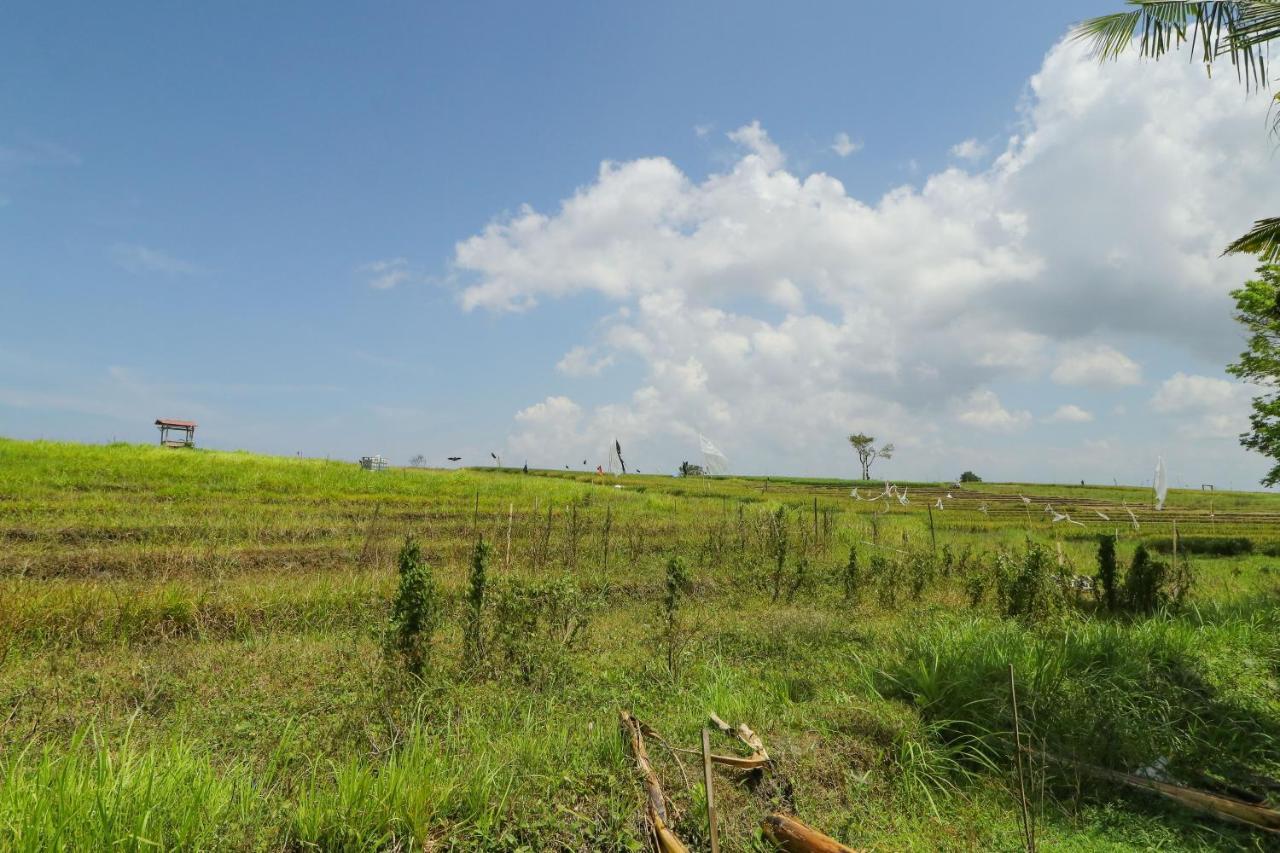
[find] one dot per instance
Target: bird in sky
(455, 458)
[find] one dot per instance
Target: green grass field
(192, 656)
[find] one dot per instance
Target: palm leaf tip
(1263, 240)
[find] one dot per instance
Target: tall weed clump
(1108, 571)
(801, 578)
(1144, 585)
(851, 577)
(473, 638)
(537, 625)
(1029, 588)
(884, 577)
(1116, 693)
(415, 612)
(674, 637)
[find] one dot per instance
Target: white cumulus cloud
(1096, 366)
(774, 311)
(385, 274)
(969, 149)
(844, 145)
(1070, 413)
(581, 361)
(983, 410)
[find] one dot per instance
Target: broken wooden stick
(709, 785)
(1227, 808)
(656, 807)
(793, 836)
(759, 757)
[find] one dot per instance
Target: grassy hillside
(193, 652)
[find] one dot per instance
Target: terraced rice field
(194, 656)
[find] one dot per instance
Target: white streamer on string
(713, 461)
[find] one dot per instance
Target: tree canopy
(1258, 310)
(868, 453)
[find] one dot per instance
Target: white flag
(713, 461)
(1160, 483)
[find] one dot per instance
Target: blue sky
(252, 217)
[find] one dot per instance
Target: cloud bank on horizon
(1056, 308)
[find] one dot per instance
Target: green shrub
(1210, 546)
(801, 578)
(851, 577)
(975, 587)
(1145, 584)
(1108, 571)
(1029, 587)
(673, 635)
(473, 638)
(537, 625)
(919, 566)
(415, 612)
(883, 576)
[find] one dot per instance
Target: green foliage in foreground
(194, 655)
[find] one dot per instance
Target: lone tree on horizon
(868, 453)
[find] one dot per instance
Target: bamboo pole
(1028, 834)
(933, 538)
(709, 785)
(506, 561)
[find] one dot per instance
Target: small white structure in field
(373, 463)
(1161, 483)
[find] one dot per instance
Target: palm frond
(1215, 30)
(1263, 240)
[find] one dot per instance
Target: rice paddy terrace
(193, 654)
